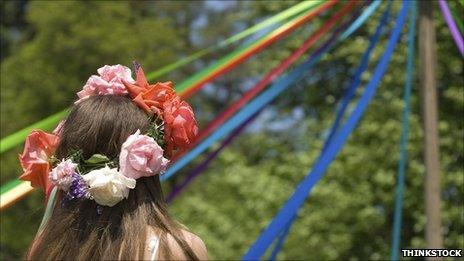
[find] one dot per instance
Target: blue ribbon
(361, 19)
(351, 90)
(352, 28)
(356, 82)
(396, 233)
(259, 102)
(281, 240)
(304, 188)
(251, 108)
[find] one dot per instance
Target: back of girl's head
(86, 230)
(100, 124)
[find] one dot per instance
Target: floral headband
(142, 155)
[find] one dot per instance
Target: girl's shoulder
(194, 241)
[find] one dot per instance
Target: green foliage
(348, 215)
(156, 131)
(97, 159)
(64, 43)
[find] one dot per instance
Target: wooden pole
(427, 54)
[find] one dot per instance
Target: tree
(70, 41)
(349, 213)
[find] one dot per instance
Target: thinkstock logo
(431, 252)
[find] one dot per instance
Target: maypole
(428, 60)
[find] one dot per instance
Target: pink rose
(61, 175)
(141, 156)
(109, 81)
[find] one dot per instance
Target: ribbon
(304, 188)
(49, 123)
(457, 18)
(346, 99)
(294, 10)
(396, 232)
(204, 164)
(16, 138)
(195, 172)
(362, 18)
(272, 75)
(227, 63)
(452, 26)
(356, 81)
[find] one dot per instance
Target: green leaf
(97, 158)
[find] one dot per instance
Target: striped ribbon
(253, 92)
(294, 10)
(50, 122)
(230, 61)
(16, 191)
(272, 75)
(252, 107)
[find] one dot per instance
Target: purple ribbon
(452, 26)
(203, 165)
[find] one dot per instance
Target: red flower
(180, 126)
(35, 158)
(150, 98)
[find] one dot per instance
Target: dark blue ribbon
(287, 212)
(356, 82)
(349, 94)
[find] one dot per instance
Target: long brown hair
(100, 124)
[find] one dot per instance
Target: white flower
(61, 175)
(108, 186)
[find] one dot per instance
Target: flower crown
(173, 128)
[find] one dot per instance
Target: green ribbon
(48, 123)
(197, 77)
(48, 209)
(8, 186)
(294, 10)
(51, 121)
(18, 137)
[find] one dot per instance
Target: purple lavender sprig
(78, 189)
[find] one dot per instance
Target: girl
(109, 153)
